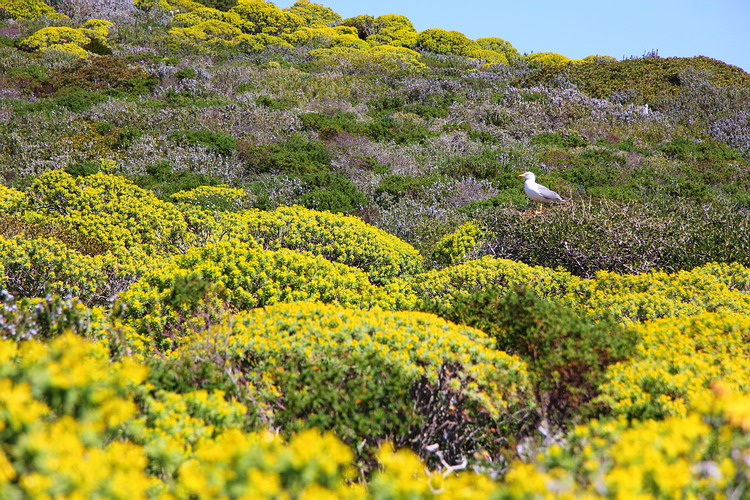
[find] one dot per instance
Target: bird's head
(528, 176)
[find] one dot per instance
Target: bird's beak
(520, 175)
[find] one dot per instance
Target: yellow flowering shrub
(62, 405)
(338, 35)
(314, 15)
(27, 9)
(310, 465)
(171, 426)
(11, 200)
(380, 58)
(458, 246)
(197, 16)
(677, 360)
(259, 42)
(61, 38)
(445, 284)
(194, 289)
(703, 454)
(76, 41)
(394, 30)
(38, 267)
(500, 46)
(547, 58)
(265, 17)
(336, 237)
(412, 378)
(214, 198)
(152, 4)
(656, 294)
(210, 31)
(126, 220)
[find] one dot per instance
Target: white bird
(537, 192)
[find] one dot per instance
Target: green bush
(214, 141)
(567, 354)
(164, 180)
(559, 140)
(331, 192)
(651, 80)
(83, 168)
(383, 128)
(298, 154)
(400, 186)
(79, 101)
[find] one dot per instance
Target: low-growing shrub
(631, 237)
(41, 267)
(192, 291)
(567, 353)
(296, 155)
(411, 378)
(338, 238)
(165, 181)
(214, 141)
(127, 220)
(458, 246)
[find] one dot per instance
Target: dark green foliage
(273, 103)
(399, 186)
(704, 152)
(567, 354)
(83, 168)
(164, 180)
(485, 165)
(108, 74)
(651, 80)
(186, 73)
(79, 100)
(584, 237)
(28, 79)
(216, 142)
(331, 192)
(436, 105)
(297, 155)
(383, 128)
(559, 140)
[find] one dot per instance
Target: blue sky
(578, 28)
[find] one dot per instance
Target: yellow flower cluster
(10, 200)
(69, 40)
(27, 9)
(40, 266)
(195, 288)
(214, 198)
(676, 362)
(61, 406)
(703, 454)
(173, 425)
(416, 345)
(446, 284)
(656, 294)
(122, 218)
(457, 247)
(339, 238)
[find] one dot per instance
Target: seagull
(537, 192)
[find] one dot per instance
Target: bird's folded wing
(548, 193)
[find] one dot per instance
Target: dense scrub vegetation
(253, 252)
